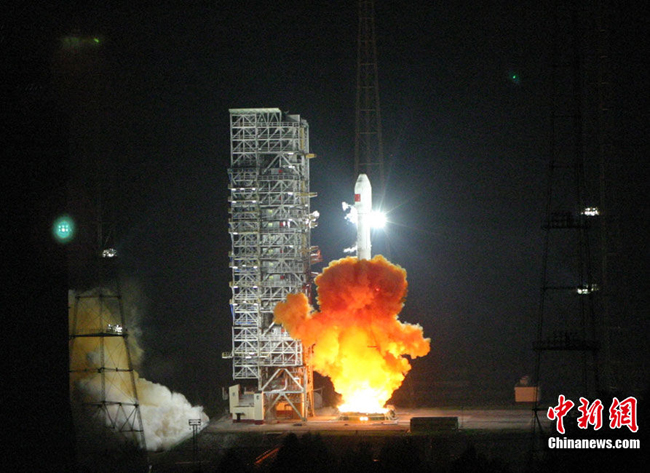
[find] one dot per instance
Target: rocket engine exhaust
(358, 339)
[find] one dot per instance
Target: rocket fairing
(363, 205)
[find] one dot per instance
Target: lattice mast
(103, 385)
(567, 341)
(368, 144)
(270, 228)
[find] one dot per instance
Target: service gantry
(270, 228)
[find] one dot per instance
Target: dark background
(466, 150)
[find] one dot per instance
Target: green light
(75, 43)
(514, 78)
(63, 229)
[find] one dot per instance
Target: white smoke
(352, 217)
(165, 414)
(350, 211)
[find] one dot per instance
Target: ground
(500, 433)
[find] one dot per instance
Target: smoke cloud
(358, 340)
(164, 413)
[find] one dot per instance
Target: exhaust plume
(164, 413)
(358, 340)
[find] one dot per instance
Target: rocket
(363, 205)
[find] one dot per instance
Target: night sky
(466, 151)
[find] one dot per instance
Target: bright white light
(118, 329)
(377, 219)
(591, 211)
(588, 289)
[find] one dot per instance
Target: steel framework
(567, 342)
(270, 227)
(104, 379)
(368, 144)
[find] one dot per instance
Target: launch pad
(500, 431)
(388, 415)
(474, 419)
(364, 417)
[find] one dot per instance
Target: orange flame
(358, 339)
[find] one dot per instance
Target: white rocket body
(363, 205)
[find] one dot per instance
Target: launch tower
(270, 226)
(103, 381)
(368, 144)
(568, 338)
(103, 392)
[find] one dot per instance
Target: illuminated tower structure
(368, 144)
(103, 392)
(270, 227)
(103, 387)
(568, 336)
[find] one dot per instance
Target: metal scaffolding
(270, 227)
(567, 342)
(103, 382)
(368, 143)
(103, 387)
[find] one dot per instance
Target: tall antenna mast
(368, 144)
(102, 378)
(103, 391)
(567, 342)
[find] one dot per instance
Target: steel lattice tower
(368, 144)
(270, 228)
(567, 341)
(103, 385)
(103, 390)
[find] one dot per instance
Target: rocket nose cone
(362, 182)
(362, 178)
